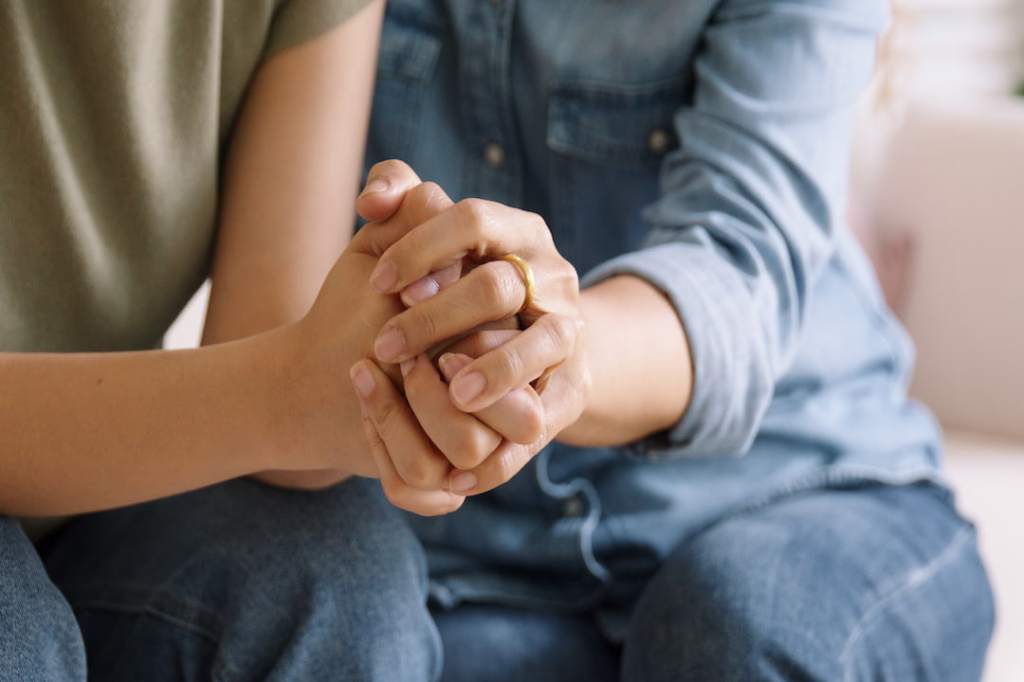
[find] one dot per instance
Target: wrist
(316, 422)
(273, 387)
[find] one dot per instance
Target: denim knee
(39, 638)
(279, 584)
(878, 583)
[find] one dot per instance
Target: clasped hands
(483, 384)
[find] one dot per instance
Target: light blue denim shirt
(702, 146)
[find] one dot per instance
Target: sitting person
(698, 461)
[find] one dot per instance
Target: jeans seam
(916, 579)
(100, 605)
(222, 669)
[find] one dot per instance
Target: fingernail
(384, 276)
(451, 364)
(407, 366)
(389, 345)
(467, 387)
(377, 184)
(361, 381)
(420, 290)
(463, 481)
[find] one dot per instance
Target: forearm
(83, 432)
(639, 360)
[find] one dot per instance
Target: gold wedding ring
(527, 274)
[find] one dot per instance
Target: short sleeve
(297, 21)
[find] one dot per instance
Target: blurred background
(938, 200)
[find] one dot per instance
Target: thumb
(386, 185)
(416, 205)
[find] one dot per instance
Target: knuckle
(473, 212)
(569, 274)
(506, 464)
(423, 473)
(471, 448)
(496, 289)
(426, 193)
(476, 219)
(560, 330)
(415, 391)
(421, 324)
(506, 363)
(540, 227)
(533, 423)
(384, 414)
(389, 167)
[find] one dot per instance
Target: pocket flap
(614, 124)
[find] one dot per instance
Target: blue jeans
(241, 581)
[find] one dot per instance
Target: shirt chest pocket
(618, 126)
(406, 64)
(607, 143)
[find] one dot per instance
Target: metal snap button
(659, 141)
(573, 507)
(494, 155)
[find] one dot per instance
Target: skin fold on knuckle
(531, 423)
(560, 332)
(541, 231)
(428, 195)
(419, 326)
(383, 413)
(476, 219)
(507, 465)
(496, 289)
(471, 449)
(499, 468)
(417, 390)
(504, 368)
(423, 472)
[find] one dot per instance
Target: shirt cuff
(732, 374)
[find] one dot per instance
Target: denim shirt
(702, 146)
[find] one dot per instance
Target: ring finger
(492, 291)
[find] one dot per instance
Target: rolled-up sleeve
(750, 202)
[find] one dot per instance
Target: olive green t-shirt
(113, 121)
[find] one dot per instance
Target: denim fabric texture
(793, 525)
(702, 146)
(241, 581)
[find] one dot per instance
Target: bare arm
(291, 179)
(89, 431)
(291, 183)
(81, 432)
(639, 360)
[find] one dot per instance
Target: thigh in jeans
(39, 639)
(244, 581)
(876, 583)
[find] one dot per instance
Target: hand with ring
(461, 267)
